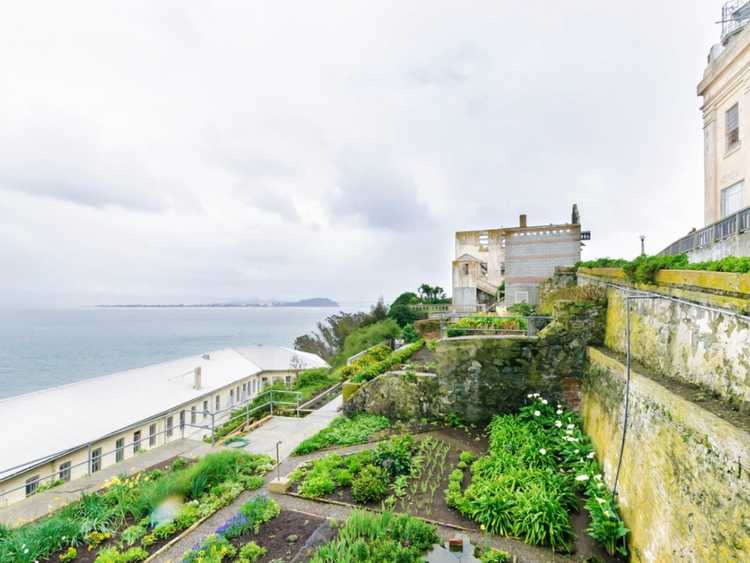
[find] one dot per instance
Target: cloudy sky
(190, 151)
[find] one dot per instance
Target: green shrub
(251, 552)
(493, 555)
(522, 309)
(214, 549)
(410, 335)
(113, 555)
(365, 337)
(385, 538)
(395, 358)
(479, 324)
(370, 485)
(70, 554)
(343, 431)
(187, 516)
(132, 534)
(260, 510)
(395, 455)
(164, 531)
(148, 540)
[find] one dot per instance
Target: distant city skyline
(179, 152)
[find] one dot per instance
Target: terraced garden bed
(127, 521)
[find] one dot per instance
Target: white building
(69, 431)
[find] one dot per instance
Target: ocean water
(44, 348)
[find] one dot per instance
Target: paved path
(290, 431)
(43, 503)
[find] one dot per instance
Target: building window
(64, 471)
(120, 449)
(231, 397)
(182, 420)
(136, 441)
(288, 380)
(733, 127)
(484, 240)
(466, 269)
(193, 415)
(205, 410)
(96, 460)
(218, 403)
(265, 383)
(32, 484)
(170, 426)
(731, 199)
(152, 435)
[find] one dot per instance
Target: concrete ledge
(279, 485)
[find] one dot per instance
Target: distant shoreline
(313, 302)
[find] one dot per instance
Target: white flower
(591, 455)
(599, 500)
(598, 476)
(607, 513)
(542, 451)
(568, 432)
(575, 452)
(582, 478)
(558, 423)
(559, 411)
(537, 413)
(529, 396)
(544, 401)
(26, 550)
(571, 426)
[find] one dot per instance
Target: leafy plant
(70, 554)
(370, 485)
(114, 555)
(132, 534)
(480, 324)
(492, 555)
(344, 431)
(251, 552)
(214, 549)
(395, 358)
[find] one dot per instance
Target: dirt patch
(286, 537)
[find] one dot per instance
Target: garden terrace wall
(481, 376)
(683, 340)
(684, 487)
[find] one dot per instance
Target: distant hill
(311, 302)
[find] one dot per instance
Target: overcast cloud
(199, 151)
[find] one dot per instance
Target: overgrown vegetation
(216, 547)
(379, 538)
(485, 324)
(644, 268)
(395, 358)
(368, 472)
(584, 294)
(344, 431)
(99, 520)
(526, 485)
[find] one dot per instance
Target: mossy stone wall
(685, 342)
(684, 489)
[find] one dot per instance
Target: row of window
(236, 395)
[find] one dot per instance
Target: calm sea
(43, 348)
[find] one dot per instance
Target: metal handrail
(147, 438)
(734, 224)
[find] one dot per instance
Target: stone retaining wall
(684, 489)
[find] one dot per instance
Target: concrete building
(522, 257)
(725, 89)
(73, 430)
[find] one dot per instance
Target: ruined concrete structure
(522, 257)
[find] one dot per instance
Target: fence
(730, 226)
(95, 457)
(534, 324)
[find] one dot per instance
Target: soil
(585, 546)
(274, 536)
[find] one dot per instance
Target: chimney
(522, 220)
(197, 379)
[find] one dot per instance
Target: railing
(730, 226)
(534, 324)
(95, 463)
(431, 307)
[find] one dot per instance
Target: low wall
(481, 376)
(682, 340)
(684, 488)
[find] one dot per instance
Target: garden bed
(124, 521)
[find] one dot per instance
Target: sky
(185, 152)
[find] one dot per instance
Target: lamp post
(643, 245)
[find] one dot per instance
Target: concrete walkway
(290, 431)
(48, 501)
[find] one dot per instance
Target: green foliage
(395, 358)
(69, 554)
(214, 549)
(479, 324)
(251, 552)
(372, 356)
(644, 268)
(260, 510)
(493, 555)
(365, 337)
(590, 294)
(132, 534)
(343, 431)
(394, 455)
(187, 516)
(522, 309)
(404, 315)
(406, 298)
(370, 485)
(381, 538)
(525, 486)
(113, 555)
(410, 335)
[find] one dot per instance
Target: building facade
(725, 89)
(511, 260)
(67, 432)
